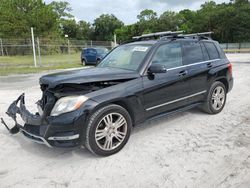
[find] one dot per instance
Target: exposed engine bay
(80, 89)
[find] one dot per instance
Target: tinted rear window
(192, 53)
(221, 52)
(212, 51)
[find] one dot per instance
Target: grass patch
(25, 64)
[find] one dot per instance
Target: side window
(212, 51)
(221, 52)
(192, 53)
(204, 51)
(169, 55)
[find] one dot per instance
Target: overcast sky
(127, 10)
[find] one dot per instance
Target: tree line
(230, 22)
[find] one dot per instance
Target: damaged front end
(61, 131)
(28, 118)
(64, 128)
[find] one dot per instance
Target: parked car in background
(92, 56)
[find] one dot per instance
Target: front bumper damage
(61, 131)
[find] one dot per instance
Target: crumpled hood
(87, 75)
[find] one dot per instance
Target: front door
(164, 92)
(91, 55)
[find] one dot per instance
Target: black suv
(97, 107)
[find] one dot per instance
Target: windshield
(125, 57)
(102, 50)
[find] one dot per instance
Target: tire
(100, 132)
(98, 61)
(84, 63)
(215, 103)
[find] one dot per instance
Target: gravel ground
(191, 149)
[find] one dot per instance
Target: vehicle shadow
(51, 153)
(166, 119)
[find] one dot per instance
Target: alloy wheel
(218, 98)
(111, 131)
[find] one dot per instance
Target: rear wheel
(108, 130)
(216, 98)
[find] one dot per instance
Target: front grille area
(47, 102)
(37, 130)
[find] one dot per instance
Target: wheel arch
(121, 103)
(84, 59)
(224, 81)
(127, 107)
(220, 74)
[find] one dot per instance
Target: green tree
(168, 21)
(187, 18)
(126, 32)
(84, 30)
(241, 21)
(69, 27)
(62, 9)
(18, 16)
(105, 26)
(147, 21)
(147, 15)
(230, 22)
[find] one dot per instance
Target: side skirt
(167, 114)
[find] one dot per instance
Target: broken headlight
(67, 104)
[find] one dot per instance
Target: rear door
(193, 58)
(166, 91)
(199, 62)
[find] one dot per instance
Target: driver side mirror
(157, 68)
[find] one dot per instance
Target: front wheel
(108, 130)
(98, 61)
(84, 62)
(216, 98)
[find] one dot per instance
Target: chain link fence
(243, 47)
(44, 46)
(16, 55)
(17, 47)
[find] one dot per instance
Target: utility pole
(33, 45)
(115, 40)
(38, 50)
(68, 47)
(1, 44)
(67, 36)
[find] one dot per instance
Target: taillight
(230, 68)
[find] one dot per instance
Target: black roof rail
(198, 34)
(170, 35)
(158, 34)
(203, 35)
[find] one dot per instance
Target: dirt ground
(191, 149)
